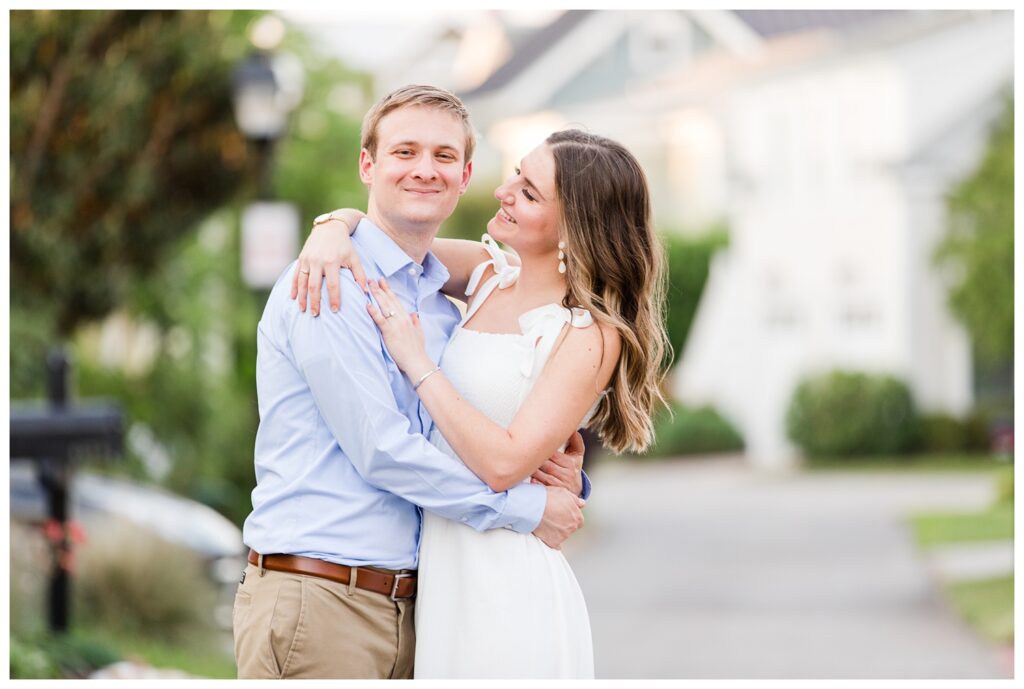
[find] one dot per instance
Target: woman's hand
(402, 333)
(327, 250)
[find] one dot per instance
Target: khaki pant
(298, 626)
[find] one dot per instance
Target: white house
(824, 139)
(837, 173)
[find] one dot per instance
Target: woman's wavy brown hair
(615, 268)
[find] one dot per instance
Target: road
(707, 569)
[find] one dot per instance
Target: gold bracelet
(327, 217)
(425, 376)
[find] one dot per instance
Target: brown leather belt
(394, 586)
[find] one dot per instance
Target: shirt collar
(389, 257)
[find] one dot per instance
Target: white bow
(507, 274)
(542, 327)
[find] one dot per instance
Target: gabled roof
(764, 23)
(771, 23)
(529, 50)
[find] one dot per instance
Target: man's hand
(562, 516)
(564, 469)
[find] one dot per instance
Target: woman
(571, 336)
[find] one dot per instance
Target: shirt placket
(433, 346)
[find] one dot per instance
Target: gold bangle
(425, 376)
(327, 217)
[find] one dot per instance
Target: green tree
(122, 139)
(978, 247)
(179, 273)
(316, 166)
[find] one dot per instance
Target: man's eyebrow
(417, 144)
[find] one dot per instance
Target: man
(342, 462)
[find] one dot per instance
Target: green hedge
(699, 430)
(943, 433)
(689, 260)
(845, 413)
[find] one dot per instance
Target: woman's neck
(539, 280)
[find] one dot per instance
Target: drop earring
(561, 257)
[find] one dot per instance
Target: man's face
(419, 170)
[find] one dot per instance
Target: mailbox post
(54, 437)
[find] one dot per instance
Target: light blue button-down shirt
(342, 457)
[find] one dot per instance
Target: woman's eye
(526, 193)
(517, 170)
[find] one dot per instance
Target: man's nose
(425, 168)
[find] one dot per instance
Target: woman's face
(528, 217)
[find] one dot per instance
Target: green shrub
(699, 430)
(30, 660)
(939, 432)
(845, 413)
(943, 433)
(61, 656)
(689, 261)
(132, 582)
(976, 427)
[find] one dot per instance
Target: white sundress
(498, 604)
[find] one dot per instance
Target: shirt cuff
(524, 507)
(585, 493)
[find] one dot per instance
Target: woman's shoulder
(592, 338)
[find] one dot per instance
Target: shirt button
(412, 271)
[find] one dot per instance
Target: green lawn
(933, 529)
(198, 656)
(916, 462)
(987, 605)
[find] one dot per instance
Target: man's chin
(426, 219)
(430, 214)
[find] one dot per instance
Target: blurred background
(831, 494)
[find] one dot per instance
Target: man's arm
(340, 355)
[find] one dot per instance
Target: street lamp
(266, 88)
(258, 108)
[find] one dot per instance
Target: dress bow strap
(506, 273)
(541, 327)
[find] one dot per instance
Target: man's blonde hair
(427, 96)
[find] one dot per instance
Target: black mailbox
(53, 437)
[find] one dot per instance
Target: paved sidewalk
(969, 561)
(705, 569)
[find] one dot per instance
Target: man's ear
(467, 172)
(365, 167)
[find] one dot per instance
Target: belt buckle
(394, 587)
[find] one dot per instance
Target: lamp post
(266, 88)
(256, 110)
